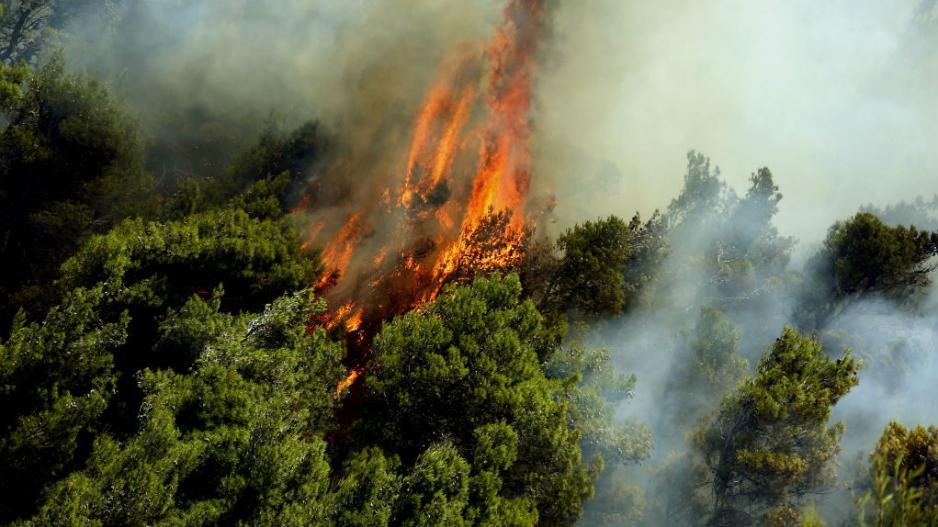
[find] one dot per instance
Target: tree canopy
(770, 443)
(70, 166)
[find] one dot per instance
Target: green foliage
(436, 492)
(770, 443)
(865, 256)
(367, 493)
(70, 166)
(904, 477)
(234, 441)
(590, 278)
(56, 381)
(163, 263)
(129, 308)
(465, 371)
(151, 269)
(587, 276)
(596, 269)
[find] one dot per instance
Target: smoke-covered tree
(703, 194)
(751, 257)
(919, 212)
(770, 444)
(266, 178)
(649, 246)
(617, 503)
(27, 26)
(711, 368)
(730, 243)
(707, 367)
(599, 390)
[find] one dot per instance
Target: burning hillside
(456, 204)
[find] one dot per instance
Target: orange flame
(354, 320)
(338, 253)
(468, 160)
(347, 382)
(502, 180)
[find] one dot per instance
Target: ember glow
(457, 200)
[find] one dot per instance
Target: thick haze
(361, 68)
(836, 97)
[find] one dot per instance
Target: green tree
(367, 494)
(465, 371)
(770, 443)
(70, 166)
(164, 263)
(587, 277)
(865, 256)
(436, 492)
(129, 308)
(903, 479)
(56, 381)
(236, 441)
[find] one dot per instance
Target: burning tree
(456, 206)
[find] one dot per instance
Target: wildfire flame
(449, 209)
(347, 381)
